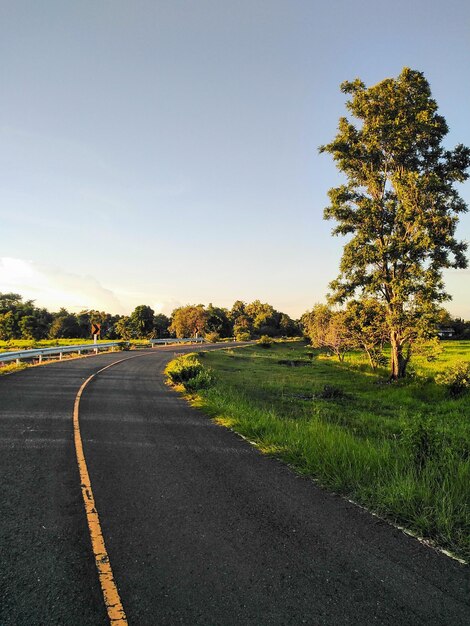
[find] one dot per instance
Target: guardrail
(40, 353)
(173, 340)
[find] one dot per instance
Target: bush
(188, 370)
(202, 380)
(181, 369)
(423, 442)
(455, 378)
(329, 392)
(265, 342)
(242, 336)
(212, 337)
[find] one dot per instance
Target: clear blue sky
(165, 152)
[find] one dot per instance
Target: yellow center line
(112, 600)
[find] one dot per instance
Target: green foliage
(141, 322)
(217, 321)
(160, 325)
(203, 380)
(123, 328)
(431, 349)
(423, 440)
(365, 321)
(260, 318)
(212, 337)
(22, 320)
(327, 329)
(456, 378)
(189, 371)
(187, 321)
(399, 207)
(183, 368)
(265, 342)
(65, 325)
(7, 325)
(242, 335)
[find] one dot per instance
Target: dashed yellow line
(112, 600)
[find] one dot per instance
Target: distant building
(445, 333)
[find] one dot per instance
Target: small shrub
(329, 392)
(242, 336)
(423, 442)
(187, 370)
(265, 342)
(181, 369)
(212, 337)
(456, 378)
(202, 380)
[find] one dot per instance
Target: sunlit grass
(12, 367)
(355, 432)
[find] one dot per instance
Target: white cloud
(53, 288)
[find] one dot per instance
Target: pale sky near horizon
(165, 152)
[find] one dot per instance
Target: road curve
(200, 528)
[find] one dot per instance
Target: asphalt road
(200, 527)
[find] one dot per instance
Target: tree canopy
(399, 207)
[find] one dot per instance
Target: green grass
(401, 449)
(26, 344)
(12, 367)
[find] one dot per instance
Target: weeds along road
(200, 528)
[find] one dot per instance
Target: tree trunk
(398, 360)
(371, 360)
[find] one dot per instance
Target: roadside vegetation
(12, 367)
(30, 344)
(402, 449)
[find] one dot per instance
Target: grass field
(401, 449)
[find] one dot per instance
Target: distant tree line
(22, 319)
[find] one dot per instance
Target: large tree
(64, 325)
(141, 321)
(399, 207)
(188, 321)
(218, 321)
